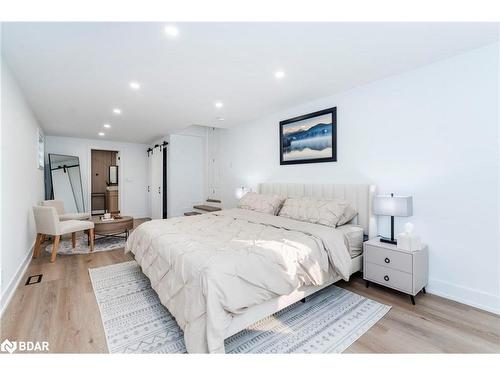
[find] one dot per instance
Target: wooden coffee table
(112, 228)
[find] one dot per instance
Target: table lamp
(392, 205)
(241, 191)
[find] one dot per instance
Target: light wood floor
(62, 310)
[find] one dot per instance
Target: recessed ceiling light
(117, 111)
(101, 134)
(220, 118)
(219, 104)
(107, 126)
(134, 85)
(171, 31)
(279, 74)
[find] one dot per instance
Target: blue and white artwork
(309, 138)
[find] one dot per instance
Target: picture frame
(40, 154)
(310, 138)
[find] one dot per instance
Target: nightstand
(385, 264)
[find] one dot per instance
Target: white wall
(187, 170)
(187, 179)
(22, 183)
(193, 171)
(133, 173)
(214, 177)
(431, 133)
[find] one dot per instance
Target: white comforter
(207, 268)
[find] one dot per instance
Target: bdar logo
(8, 346)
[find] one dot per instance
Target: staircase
(210, 205)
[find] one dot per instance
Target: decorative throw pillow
(332, 213)
(268, 204)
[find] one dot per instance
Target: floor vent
(35, 279)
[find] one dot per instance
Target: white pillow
(353, 238)
(268, 204)
(332, 213)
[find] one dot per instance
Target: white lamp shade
(386, 205)
(240, 192)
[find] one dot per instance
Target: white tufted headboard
(359, 196)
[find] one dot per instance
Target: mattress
(353, 238)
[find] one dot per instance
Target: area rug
(135, 321)
(100, 244)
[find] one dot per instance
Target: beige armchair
(59, 206)
(47, 223)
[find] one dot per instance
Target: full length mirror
(66, 181)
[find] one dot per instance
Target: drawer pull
(387, 260)
(386, 278)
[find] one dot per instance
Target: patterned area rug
(135, 321)
(100, 244)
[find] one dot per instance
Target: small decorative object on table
(106, 217)
(386, 264)
(407, 240)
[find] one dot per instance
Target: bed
(221, 272)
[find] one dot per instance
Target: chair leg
(54, 249)
(38, 242)
(73, 239)
(91, 236)
(43, 237)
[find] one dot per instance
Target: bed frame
(359, 196)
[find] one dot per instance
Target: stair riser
(206, 208)
(198, 207)
(213, 204)
(213, 200)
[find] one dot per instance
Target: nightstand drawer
(388, 258)
(389, 277)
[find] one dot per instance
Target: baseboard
(472, 297)
(13, 284)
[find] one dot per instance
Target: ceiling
(74, 74)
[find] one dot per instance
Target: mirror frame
(51, 181)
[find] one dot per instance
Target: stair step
(192, 213)
(207, 208)
(210, 200)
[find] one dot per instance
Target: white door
(155, 191)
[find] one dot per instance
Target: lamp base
(388, 240)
